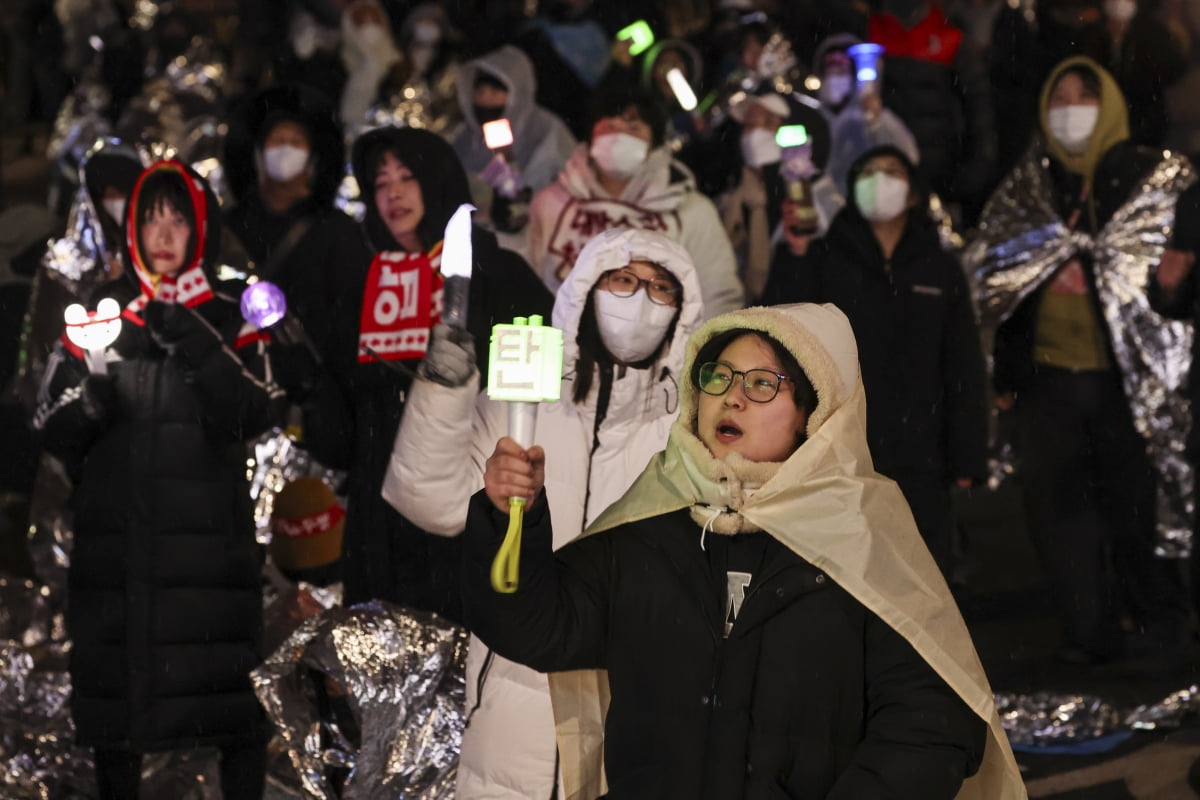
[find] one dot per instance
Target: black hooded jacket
(309, 249)
(165, 608)
(386, 557)
(918, 342)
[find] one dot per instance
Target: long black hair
(432, 162)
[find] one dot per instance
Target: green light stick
(524, 369)
(640, 35)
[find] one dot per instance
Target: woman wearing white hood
(626, 311)
(625, 177)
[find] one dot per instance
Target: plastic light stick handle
(506, 567)
(97, 363)
(455, 294)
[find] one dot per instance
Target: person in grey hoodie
(501, 84)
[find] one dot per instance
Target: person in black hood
(922, 364)
(165, 611)
(412, 184)
(284, 158)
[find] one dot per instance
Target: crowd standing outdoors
(797, 283)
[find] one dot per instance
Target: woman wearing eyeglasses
(625, 310)
(768, 620)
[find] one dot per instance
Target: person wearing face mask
(1076, 362)
(882, 263)
(756, 617)
(501, 84)
(284, 158)
(939, 89)
(625, 312)
(624, 177)
(368, 52)
(758, 202)
(857, 120)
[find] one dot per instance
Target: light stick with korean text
(524, 369)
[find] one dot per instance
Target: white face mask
(881, 197)
(835, 89)
(284, 162)
(1120, 10)
(115, 208)
(619, 154)
(632, 328)
(1072, 126)
(426, 32)
(759, 148)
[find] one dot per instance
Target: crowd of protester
(986, 211)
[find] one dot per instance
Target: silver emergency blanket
(370, 701)
(1022, 241)
(1167, 713)
(277, 461)
(1047, 718)
(79, 259)
(81, 120)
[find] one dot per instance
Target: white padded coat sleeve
(705, 240)
(438, 458)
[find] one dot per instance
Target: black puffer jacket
(811, 695)
(164, 608)
(386, 556)
(307, 249)
(922, 360)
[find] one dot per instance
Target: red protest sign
(401, 303)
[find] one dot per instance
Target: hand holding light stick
(525, 368)
(798, 170)
(457, 257)
(93, 332)
(499, 172)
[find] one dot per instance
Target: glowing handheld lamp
(682, 89)
(524, 368)
(866, 61)
(640, 34)
(94, 331)
(263, 304)
(497, 134)
(457, 255)
(791, 136)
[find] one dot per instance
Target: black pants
(1089, 491)
(243, 772)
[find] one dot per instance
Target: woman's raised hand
(513, 471)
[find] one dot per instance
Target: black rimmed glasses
(760, 385)
(626, 282)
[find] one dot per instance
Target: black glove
(181, 332)
(98, 397)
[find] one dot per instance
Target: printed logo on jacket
(581, 220)
(402, 302)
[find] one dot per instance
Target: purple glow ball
(263, 304)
